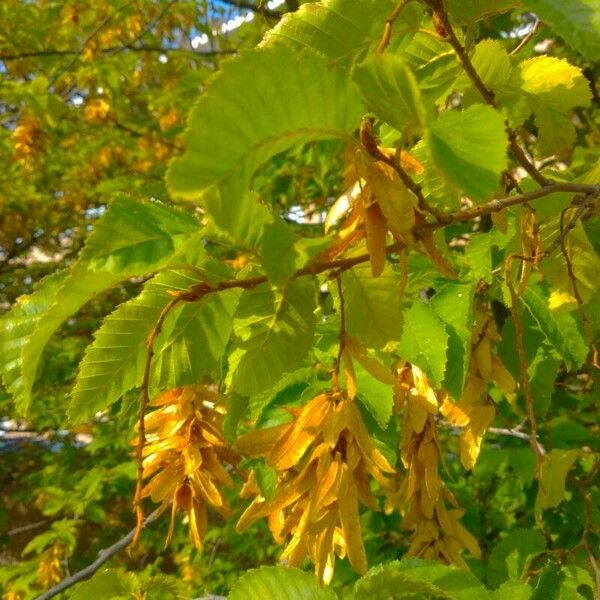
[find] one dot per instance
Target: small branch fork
(103, 556)
(486, 93)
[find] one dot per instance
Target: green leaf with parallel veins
(114, 362)
(510, 558)
(512, 590)
(415, 578)
(453, 304)
(243, 226)
(542, 372)
(193, 339)
(478, 255)
(469, 11)
(560, 329)
(552, 87)
(390, 90)
(469, 148)
(424, 341)
(133, 235)
(274, 332)
(373, 305)
(341, 29)
(555, 467)
(227, 140)
(576, 21)
(278, 255)
(279, 583)
(375, 395)
(108, 583)
(16, 327)
(548, 586)
(492, 63)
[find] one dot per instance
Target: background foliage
(262, 118)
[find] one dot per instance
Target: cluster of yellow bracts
(327, 465)
(324, 458)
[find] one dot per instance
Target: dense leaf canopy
(317, 279)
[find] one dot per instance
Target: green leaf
(512, 590)
(584, 259)
(576, 21)
(424, 341)
(478, 255)
(193, 339)
(108, 583)
(390, 90)
(492, 63)
(279, 583)
(341, 29)
(549, 584)
(274, 332)
(555, 467)
(373, 305)
(560, 329)
(16, 327)
(453, 304)
(227, 140)
(469, 11)
(553, 87)
(375, 395)
(542, 372)
(78, 288)
(133, 235)
(243, 226)
(114, 362)
(469, 148)
(278, 255)
(414, 578)
(510, 558)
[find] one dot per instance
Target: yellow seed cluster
(185, 454)
(324, 458)
(28, 138)
(50, 568)
(438, 534)
(475, 410)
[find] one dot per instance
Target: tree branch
(486, 93)
(103, 556)
(262, 10)
(114, 50)
(517, 434)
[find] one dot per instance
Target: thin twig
(369, 142)
(114, 50)
(103, 556)
(587, 326)
(591, 195)
(539, 454)
(145, 399)
(387, 28)
(25, 528)
(91, 36)
(486, 93)
(526, 39)
(522, 435)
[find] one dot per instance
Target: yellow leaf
(394, 199)
(348, 507)
(290, 447)
(259, 442)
